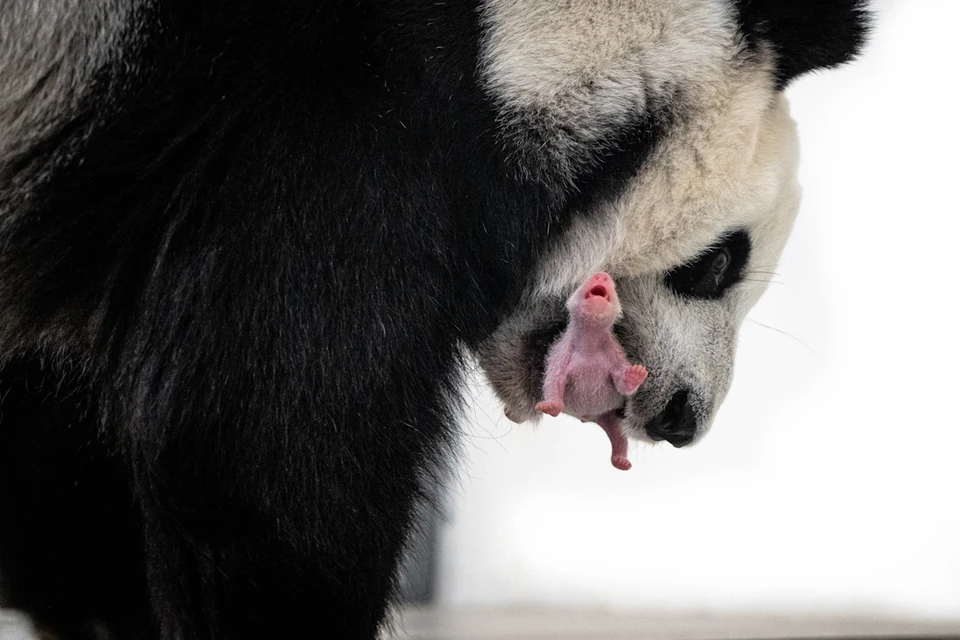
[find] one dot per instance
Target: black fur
(71, 546)
(267, 239)
(806, 35)
(276, 233)
(709, 275)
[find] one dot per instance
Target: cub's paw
(633, 377)
(621, 462)
(550, 408)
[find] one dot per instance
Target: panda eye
(714, 271)
(721, 262)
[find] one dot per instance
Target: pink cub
(587, 373)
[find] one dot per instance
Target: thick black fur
(268, 252)
(805, 34)
(71, 546)
(269, 235)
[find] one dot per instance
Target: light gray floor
(13, 627)
(565, 624)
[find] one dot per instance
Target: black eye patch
(714, 271)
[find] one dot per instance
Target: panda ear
(805, 34)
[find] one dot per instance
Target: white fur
(728, 162)
(49, 52)
(567, 74)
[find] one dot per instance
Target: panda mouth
(598, 291)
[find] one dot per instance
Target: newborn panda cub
(587, 374)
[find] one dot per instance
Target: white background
(831, 479)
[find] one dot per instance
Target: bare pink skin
(587, 373)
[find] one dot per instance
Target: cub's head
(694, 88)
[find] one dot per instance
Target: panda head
(694, 232)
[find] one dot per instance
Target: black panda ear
(805, 34)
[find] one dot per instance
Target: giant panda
(246, 249)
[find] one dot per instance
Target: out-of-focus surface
(14, 626)
(831, 480)
(543, 624)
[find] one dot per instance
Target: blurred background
(830, 483)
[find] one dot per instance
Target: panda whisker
(789, 335)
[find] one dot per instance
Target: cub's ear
(805, 34)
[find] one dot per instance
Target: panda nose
(676, 423)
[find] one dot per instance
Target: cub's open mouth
(599, 291)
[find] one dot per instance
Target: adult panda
(245, 246)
